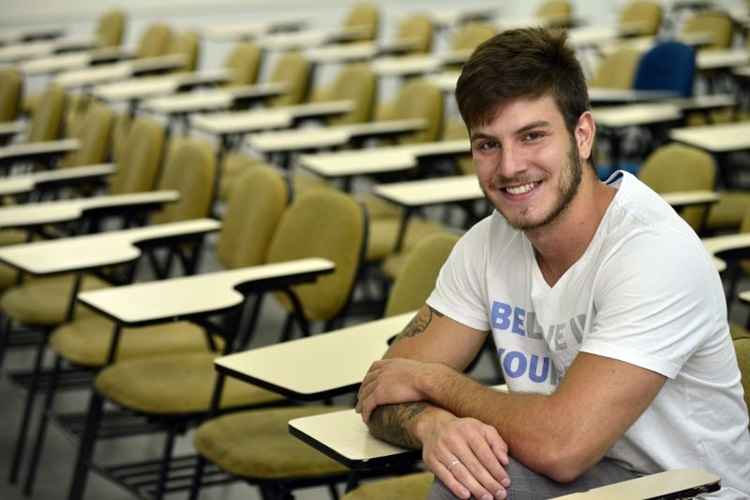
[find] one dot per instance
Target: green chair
(11, 90)
(617, 70)
(644, 15)
(676, 167)
(111, 28)
(256, 445)
(94, 133)
(556, 12)
(354, 82)
(365, 18)
(154, 41)
(243, 63)
(187, 44)
(716, 24)
(47, 118)
(418, 31)
(405, 487)
(470, 35)
(293, 70)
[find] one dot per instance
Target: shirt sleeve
(460, 290)
(657, 299)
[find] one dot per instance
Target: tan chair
(365, 18)
(643, 14)
(557, 12)
(256, 445)
(187, 44)
(11, 90)
(94, 133)
(418, 31)
(354, 82)
(676, 167)
(617, 70)
(405, 487)
(47, 119)
(111, 28)
(292, 69)
(243, 62)
(470, 35)
(716, 24)
(154, 41)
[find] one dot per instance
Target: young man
(607, 313)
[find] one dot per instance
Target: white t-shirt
(645, 292)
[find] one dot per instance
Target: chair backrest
(742, 349)
(677, 167)
(293, 69)
(554, 9)
(678, 57)
(154, 41)
(47, 119)
(355, 82)
(329, 224)
(187, 44)
(617, 70)
(120, 129)
(716, 24)
(243, 62)
(418, 99)
(418, 30)
(93, 132)
(139, 158)
(11, 90)
(455, 128)
(470, 35)
(111, 28)
(189, 169)
(646, 15)
(256, 203)
(417, 277)
(365, 17)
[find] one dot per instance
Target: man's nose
(511, 162)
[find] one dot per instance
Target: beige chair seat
(395, 488)
(86, 341)
(8, 277)
(727, 214)
(12, 237)
(383, 233)
(45, 301)
(378, 208)
(174, 385)
(737, 331)
(261, 446)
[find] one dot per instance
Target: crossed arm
(417, 396)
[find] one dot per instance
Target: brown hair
(529, 62)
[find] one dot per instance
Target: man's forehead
(520, 111)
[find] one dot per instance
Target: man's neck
(560, 244)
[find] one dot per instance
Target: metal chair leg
(36, 453)
(86, 447)
(165, 461)
(28, 410)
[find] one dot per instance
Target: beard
(570, 181)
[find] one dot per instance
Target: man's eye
(532, 136)
(486, 146)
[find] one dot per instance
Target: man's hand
(393, 381)
(465, 454)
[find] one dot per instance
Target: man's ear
(585, 133)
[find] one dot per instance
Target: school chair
(11, 90)
(418, 31)
(111, 28)
(365, 18)
(243, 62)
(643, 15)
(715, 24)
(617, 70)
(678, 57)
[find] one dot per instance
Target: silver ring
(454, 462)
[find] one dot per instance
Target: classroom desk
(355, 52)
(721, 59)
(137, 89)
(53, 179)
(450, 18)
(418, 64)
(244, 31)
(76, 60)
(119, 71)
(10, 129)
(676, 483)
(306, 39)
(288, 141)
(22, 51)
(81, 253)
(313, 378)
(719, 140)
(11, 36)
(33, 215)
(379, 160)
(36, 151)
(600, 96)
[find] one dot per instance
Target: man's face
(527, 162)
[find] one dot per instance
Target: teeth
(525, 188)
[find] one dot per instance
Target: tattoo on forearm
(419, 323)
(389, 423)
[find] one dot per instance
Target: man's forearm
(393, 423)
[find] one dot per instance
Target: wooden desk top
(93, 251)
(651, 486)
(322, 137)
(28, 149)
(263, 119)
(378, 159)
(417, 63)
(11, 128)
(313, 376)
(14, 36)
(144, 87)
(22, 51)
(445, 80)
(603, 96)
(35, 214)
(729, 242)
(341, 53)
(687, 198)
(715, 138)
(117, 71)
(176, 298)
(745, 296)
(431, 191)
(305, 39)
(447, 18)
(248, 31)
(17, 184)
(721, 59)
(635, 114)
(211, 100)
